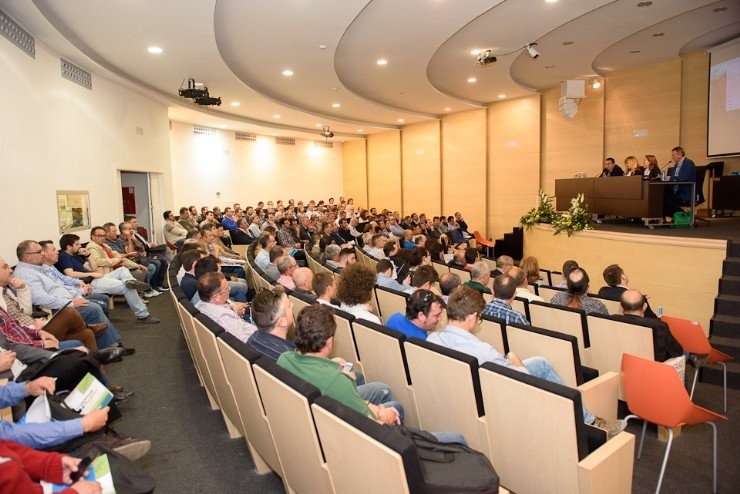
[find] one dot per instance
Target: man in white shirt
(520, 278)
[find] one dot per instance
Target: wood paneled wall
(464, 163)
(355, 171)
(652, 106)
(384, 170)
(513, 162)
(571, 146)
(489, 163)
(421, 170)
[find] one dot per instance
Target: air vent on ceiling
(285, 141)
(75, 74)
(204, 131)
(17, 35)
(323, 144)
(241, 136)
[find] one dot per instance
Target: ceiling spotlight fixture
(235, 103)
(199, 96)
(485, 59)
(154, 50)
(472, 80)
(531, 51)
(328, 134)
(359, 130)
(448, 109)
(276, 116)
(501, 96)
(644, 4)
(287, 72)
(549, 66)
(335, 105)
(658, 35)
(400, 120)
(382, 61)
(595, 83)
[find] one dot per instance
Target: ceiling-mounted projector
(485, 59)
(199, 95)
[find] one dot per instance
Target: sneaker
(151, 293)
(132, 448)
(150, 319)
(161, 288)
(120, 397)
(612, 427)
(139, 286)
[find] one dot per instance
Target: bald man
(633, 307)
(303, 279)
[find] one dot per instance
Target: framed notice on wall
(73, 207)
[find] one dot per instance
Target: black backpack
(451, 467)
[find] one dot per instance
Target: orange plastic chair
(691, 337)
(656, 394)
(482, 241)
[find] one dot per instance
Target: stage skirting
(679, 274)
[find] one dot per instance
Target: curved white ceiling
(239, 49)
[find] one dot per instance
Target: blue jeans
(70, 344)
(540, 367)
(93, 314)
(376, 393)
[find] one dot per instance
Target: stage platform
(679, 269)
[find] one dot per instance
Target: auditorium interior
(417, 106)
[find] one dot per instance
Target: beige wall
(464, 166)
(645, 99)
(571, 146)
(354, 159)
(384, 171)
(422, 173)
(514, 161)
(218, 170)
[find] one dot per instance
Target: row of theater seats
(531, 430)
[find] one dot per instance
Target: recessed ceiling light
(235, 103)
(644, 4)
(658, 35)
(335, 105)
(155, 50)
(322, 47)
(274, 133)
(568, 43)
(400, 120)
(222, 126)
(719, 9)
(475, 52)
(501, 96)
(382, 61)
(634, 51)
(318, 125)
(472, 80)
(276, 116)
(448, 109)
(287, 72)
(550, 1)
(549, 66)
(359, 130)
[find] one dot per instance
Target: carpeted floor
(191, 451)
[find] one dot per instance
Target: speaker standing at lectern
(611, 169)
(684, 170)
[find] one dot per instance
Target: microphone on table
(664, 166)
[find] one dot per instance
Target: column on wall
(643, 111)
(354, 159)
(464, 166)
(384, 170)
(514, 161)
(571, 146)
(421, 166)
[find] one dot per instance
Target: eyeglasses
(225, 290)
(35, 252)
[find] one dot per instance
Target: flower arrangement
(576, 219)
(542, 213)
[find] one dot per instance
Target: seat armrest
(600, 395)
(608, 470)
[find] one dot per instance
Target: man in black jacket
(618, 281)
(633, 307)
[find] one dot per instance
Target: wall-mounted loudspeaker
(575, 89)
(568, 107)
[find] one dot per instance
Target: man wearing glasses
(213, 290)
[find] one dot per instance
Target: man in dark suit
(242, 236)
(618, 281)
(633, 307)
(611, 169)
(683, 171)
